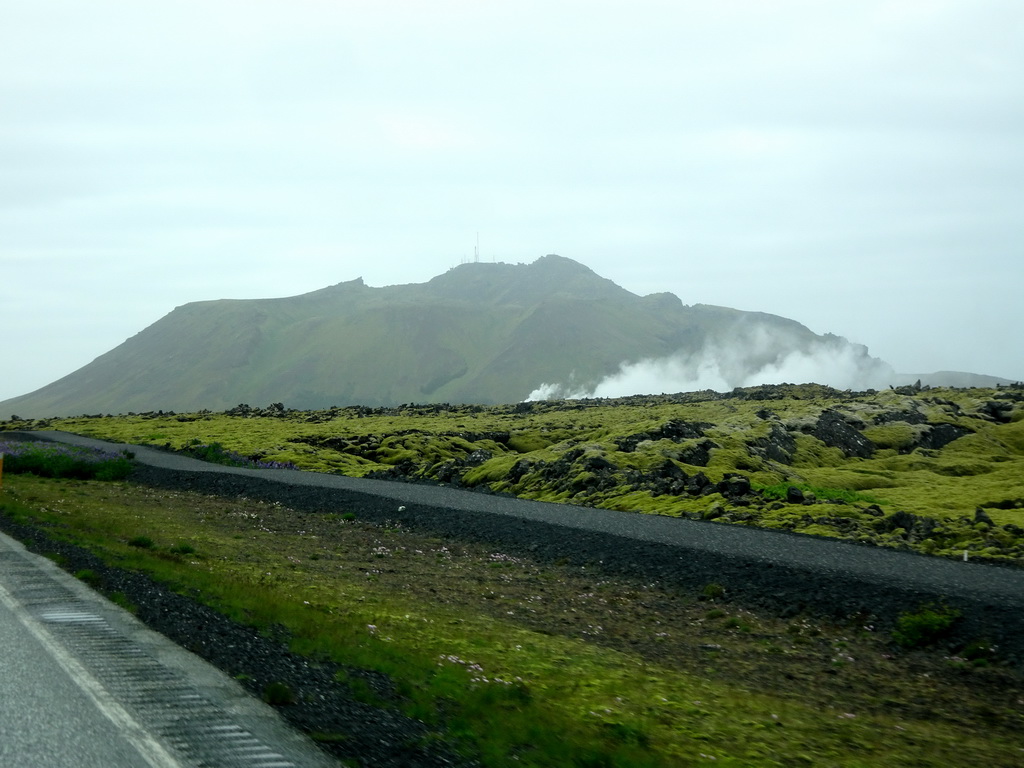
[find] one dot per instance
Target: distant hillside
(480, 333)
(952, 379)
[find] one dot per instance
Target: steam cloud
(756, 355)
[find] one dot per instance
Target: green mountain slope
(481, 333)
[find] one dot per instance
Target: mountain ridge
(479, 333)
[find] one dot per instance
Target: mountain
(480, 333)
(960, 379)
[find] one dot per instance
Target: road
(85, 685)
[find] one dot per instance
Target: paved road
(837, 560)
(45, 717)
(85, 685)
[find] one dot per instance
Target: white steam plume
(756, 355)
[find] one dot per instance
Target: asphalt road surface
(85, 685)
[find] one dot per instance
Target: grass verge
(56, 460)
(524, 663)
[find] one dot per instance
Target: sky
(855, 166)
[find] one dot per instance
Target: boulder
(697, 454)
(734, 486)
(713, 512)
(1000, 411)
(909, 416)
(917, 528)
(675, 430)
(833, 431)
(664, 480)
(981, 516)
(940, 435)
(598, 464)
(477, 457)
(778, 445)
(697, 484)
(519, 469)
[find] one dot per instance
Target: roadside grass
(523, 663)
(778, 491)
(56, 460)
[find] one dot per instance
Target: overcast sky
(856, 166)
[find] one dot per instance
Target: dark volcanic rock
(675, 430)
(478, 457)
(699, 485)
(598, 464)
(520, 468)
(734, 486)
(900, 519)
(1000, 411)
(778, 446)
(916, 527)
(698, 454)
(981, 516)
(908, 416)
(834, 432)
(665, 479)
(678, 430)
(941, 435)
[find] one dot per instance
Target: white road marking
(148, 747)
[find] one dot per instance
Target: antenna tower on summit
(476, 251)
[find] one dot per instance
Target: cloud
(756, 354)
(739, 153)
